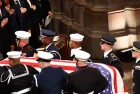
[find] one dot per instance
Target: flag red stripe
(71, 68)
(115, 78)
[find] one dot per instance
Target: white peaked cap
(14, 54)
(81, 55)
(45, 55)
(22, 34)
(76, 37)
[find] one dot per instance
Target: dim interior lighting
(126, 50)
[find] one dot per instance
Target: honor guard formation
(24, 34)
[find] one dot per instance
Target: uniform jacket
(17, 78)
(49, 81)
(86, 80)
(112, 60)
(28, 51)
(136, 78)
(53, 50)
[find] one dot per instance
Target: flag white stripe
(120, 84)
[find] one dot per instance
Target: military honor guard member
(106, 43)
(50, 80)
(47, 43)
(86, 80)
(18, 78)
(136, 68)
(23, 43)
(75, 43)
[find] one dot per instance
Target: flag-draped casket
(115, 82)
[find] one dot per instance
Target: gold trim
(107, 41)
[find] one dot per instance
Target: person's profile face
(40, 64)
(11, 62)
(71, 44)
(23, 43)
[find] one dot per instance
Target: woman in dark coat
(4, 33)
(15, 21)
(35, 20)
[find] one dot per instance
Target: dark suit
(112, 60)
(15, 23)
(53, 50)
(86, 80)
(17, 78)
(25, 16)
(45, 7)
(136, 78)
(35, 20)
(49, 81)
(4, 34)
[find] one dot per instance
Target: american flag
(115, 82)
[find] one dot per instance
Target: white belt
(22, 91)
(87, 93)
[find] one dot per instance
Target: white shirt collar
(107, 52)
(137, 60)
(48, 46)
(73, 50)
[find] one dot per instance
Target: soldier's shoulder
(137, 67)
(113, 57)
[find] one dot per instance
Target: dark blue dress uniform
(17, 80)
(136, 70)
(53, 50)
(51, 47)
(50, 80)
(111, 59)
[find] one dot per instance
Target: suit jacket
(49, 81)
(45, 7)
(25, 16)
(15, 23)
(136, 78)
(53, 50)
(112, 60)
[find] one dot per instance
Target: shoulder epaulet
(137, 67)
(113, 56)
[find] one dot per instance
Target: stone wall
(94, 18)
